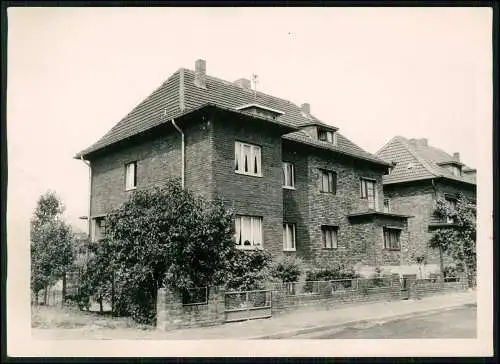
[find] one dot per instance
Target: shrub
(287, 269)
(330, 273)
(248, 270)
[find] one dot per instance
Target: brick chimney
(306, 108)
(243, 83)
(200, 71)
(456, 156)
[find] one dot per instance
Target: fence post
(248, 304)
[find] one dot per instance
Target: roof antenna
(254, 79)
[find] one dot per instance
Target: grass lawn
(51, 317)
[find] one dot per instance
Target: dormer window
(456, 171)
(327, 136)
(455, 168)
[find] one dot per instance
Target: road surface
(458, 323)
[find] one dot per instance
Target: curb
(344, 325)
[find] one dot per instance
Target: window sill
(249, 247)
(330, 248)
(329, 193)
(130, 189)
(392, 250)
(288, 188)
(289, 250)
(248, 174)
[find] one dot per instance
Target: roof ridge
(258, 92)
(387, 144)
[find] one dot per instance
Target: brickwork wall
(171, 314)
(251, 195)
(158, 159)
(418, 199)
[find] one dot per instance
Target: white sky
(374, 73)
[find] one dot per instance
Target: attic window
(456, 171)
(328, 136)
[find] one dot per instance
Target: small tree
(51, 244)
(459, 240)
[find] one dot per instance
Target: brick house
(423, 174)
(297, 186)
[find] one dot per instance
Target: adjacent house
(297, 185)
(421, 175)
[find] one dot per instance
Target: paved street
(451, 324)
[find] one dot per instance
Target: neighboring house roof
(179, 95)
(417, 160)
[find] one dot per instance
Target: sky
(73, 73)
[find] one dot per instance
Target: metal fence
(331, 286)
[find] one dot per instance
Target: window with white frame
(391, 238)
(327, 136)
(289, 237)
(248, 232)
(387, 205)
(452, 205)
(456, 171)
(99, 228)
(328, 181)
(247, 159)
(330, 235)
(130, 176)
(368, 192)
(288, 175)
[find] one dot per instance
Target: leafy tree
(164, 235)
(458, 240)
(51, 244)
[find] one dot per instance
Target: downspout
(441, 263)
(89, 222)
(183, 146)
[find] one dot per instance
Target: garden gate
(247, 305)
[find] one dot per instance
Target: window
(329, 236)
(456, 171)
(247, 159)
(288, 175)
(248, 232)
(327, 136)
(391, 238)
(99, 228)
(328, 181)
(387, 205)
(130, 176)
(289, 237)
(452, 205)
(368, 192)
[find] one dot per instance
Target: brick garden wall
(172, 314)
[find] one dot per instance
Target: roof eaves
(328, 147)
(288, 126)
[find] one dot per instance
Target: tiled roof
(415, 161)
(179, 95)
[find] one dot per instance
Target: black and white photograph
(249, 181)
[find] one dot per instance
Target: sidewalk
(286, 324)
